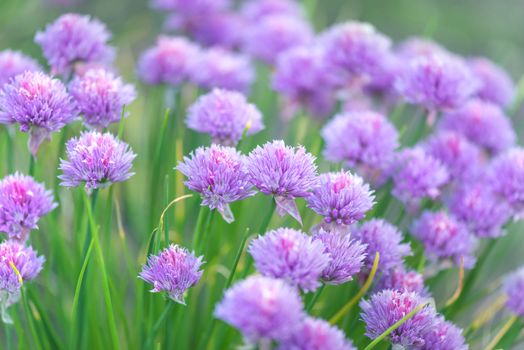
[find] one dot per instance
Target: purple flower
(255, 10)
(223, 28)
(219, 174)
(383, 238)
(190, 7)
(302, 76)
(365, 139)
(341, 198)
(420, 47)
(403, 280)
(262, 308)
(290, 255)
(174, 270)
(225, 115)
(462, 158)
(96, 159)
(168, 62)
(27, 263)
(22, 203)
(219, 68)
(475, 203)
(317, 334)
(284, 172)
(437, 82)
(101, 96)
(513, 287)
(387, 307)
(347, 256)
(482, 123)
(271, 35)
(443, 335)
(496, 85)
(74, 38)
(39, 104)
(13, 63)
(355, 49)
(507, 177)
(418, 175)
(444, 238)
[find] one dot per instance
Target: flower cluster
(225, 116)
(96, 160)
(38, 103)
(22, 203)
(173, 271)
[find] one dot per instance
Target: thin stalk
(394, 326)
(345, 309)
(8, 338)
(158, 323)
(262, 230)
(9, 150)
(486, 314)
(105, 281)
(197, 233)
(502, 332)
(31, 170)
(460, 284)
(30, 319)
(315, 297)
(207, 229)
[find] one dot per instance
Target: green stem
(197, 233)
(158, 323)
(105, 281)
(8, 339)
(394, 326)
(345, 309)
(30, 319)
(31, 165)
(313, 300)
(9, 151)
(207, 229)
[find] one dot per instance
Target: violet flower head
(284, 172)
(420, 47)
(270, 36)
(290, 255)
(220, 29)
(355, 49)
(262, 308)
(317, 334)
(255, 10)
(168, 62)
(39, 104)
(302, 76)
(513, 287)
(74, 38)
(100, 97)
(382, 237)
(418, 175)
(360, 139)
(219, 68)
(174, 270)
(341, 198)
(479, 208)
(483, 123)
(23, 202)
(462, 158)
(387, 307)
(496, 85)
(437, 82)
(219, 174)
(445, 238)
(403, 280)
(507, 177)
(225, 116)
(96, 160)
(347, 256)
(28, 264)
(443, 335)
(13, 63)
(192, 7)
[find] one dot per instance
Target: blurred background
(494, 29)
